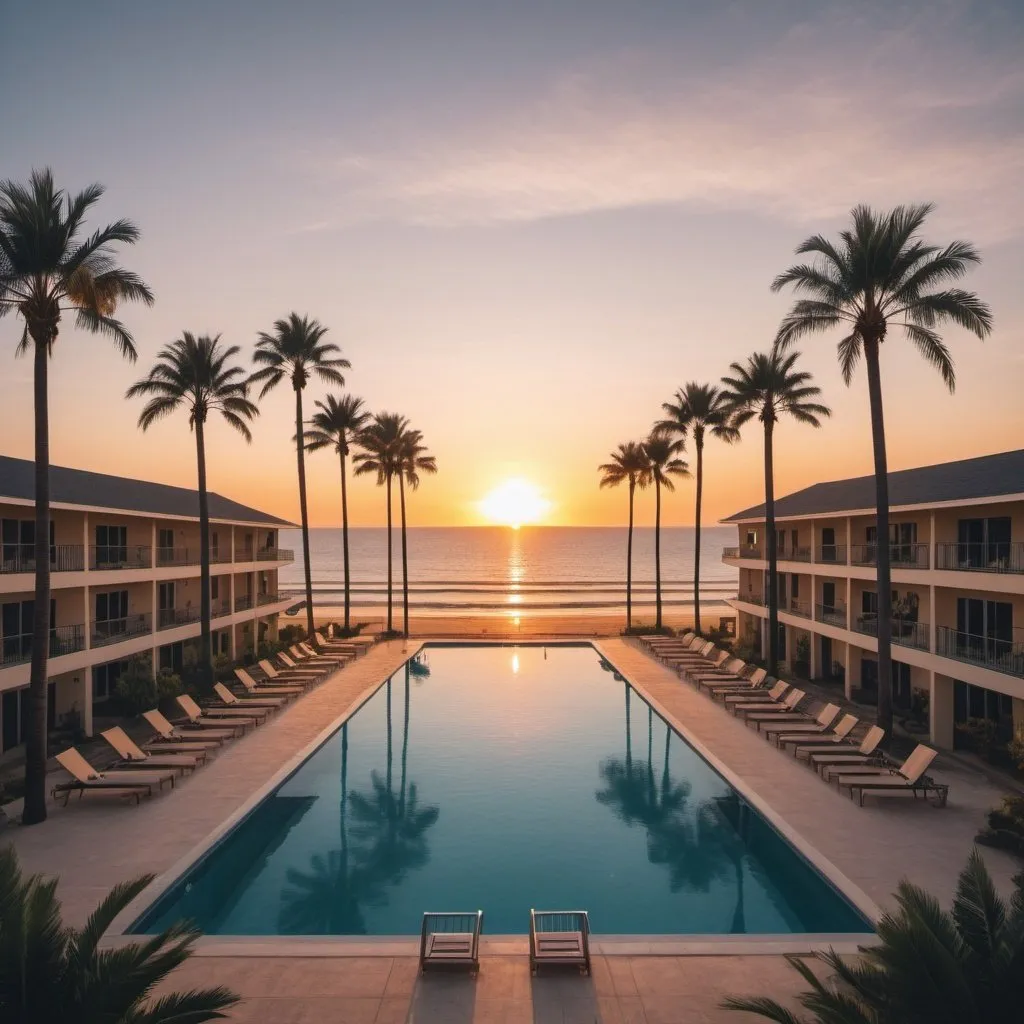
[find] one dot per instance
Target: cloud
(801, 131)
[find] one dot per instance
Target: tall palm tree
(881, 274)
(296, 347)
(628, 463)
(196, 373)
(413, 459)
(338, 425)
(697, 409)
(769, 387)
(380, 442)
(663, 455)
(47, 268)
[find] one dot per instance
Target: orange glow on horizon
(515, 503)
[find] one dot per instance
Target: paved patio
(95, 842)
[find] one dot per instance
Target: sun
(515, 503)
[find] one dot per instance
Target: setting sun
(515, 503)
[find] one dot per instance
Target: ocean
(536, 570)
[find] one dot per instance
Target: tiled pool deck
(95, 843)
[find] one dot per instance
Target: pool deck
(96, 842)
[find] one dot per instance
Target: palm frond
(931, 346)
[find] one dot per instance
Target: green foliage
(929, 966)
(168, 684)
(1005, 828)
(136, 688)
(981, 736)
(288, 635)
(53, 974)
(223, 667)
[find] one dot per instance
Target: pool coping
(495, 945)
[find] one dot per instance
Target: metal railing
(177, 556)
(750, 551)
(832, 554)
(978, 557)
(16, 650)
(243, 603)
(22, 558)
(168, 618)
(275, 555)
(751, 599)
(905, 632)
(904, 556)
(220, 608)
(796, 554)
(998, 654)
(113, 631)
(731, 552)
(117, 556)
(267, 598)
(218, 556)
(796, 607)
(833, 614)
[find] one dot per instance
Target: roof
(988, 476)
(98, 490)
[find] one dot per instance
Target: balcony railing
(168, 618)
(16, 650)
(750, 551)
(218, 609)
(730, 552)
(833, 614)
(751, 599)
(905, 632)
(113, 631)
(219, 555)
(267, 598)
(116, 556)
(1002, 655)
(22, 558)
(795, 554)
(177, 556)
(243, 603)
(796, 607)
(997, 557)
(904, 556)
(275, 555)
(832, 554)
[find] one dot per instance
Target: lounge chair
(907, 777)
(306, 655)
(194, 739)
(325, 656)
(126, 783)
(560, 938)
(763, 696)
(844, 753)
(730, 669)
(252, 705)
(286, 676)
(133, 756)
(820, 724)
(345, 646)
(220, 718)
(270, 689)
(846, 725)
(303, 666)
(717, 684)
(757, 713)
(451, 940)
(686, 667)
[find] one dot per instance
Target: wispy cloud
(801, 132)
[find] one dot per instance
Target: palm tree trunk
(344, 540)
(629, 558)
(405, 558)
(35, 740)
(390, 748)
(884, 575)
(772, 550)
(205, 663)
(696, 540)
(629, 737)
(304, 515)
(405, 746)
(657, 553)
(389, 552)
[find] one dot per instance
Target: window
(869, 603)
(794, 586)
(111, 545)
(14, 707)
(104, 680)
(977, 702)
(171, 656)
(984, 543)
(165, 596)
(165, 543)
(751, 539)
(214, 588)
(828, 594)
(214, 545)
(112, 607)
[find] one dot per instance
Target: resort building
(956, 542)
(124, 561)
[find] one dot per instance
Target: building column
(847, 681)
(940, 710)
(931, 618)
(232, 645)
(815, 654)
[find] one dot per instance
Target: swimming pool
(504, 778)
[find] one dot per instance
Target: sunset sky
(525, 226)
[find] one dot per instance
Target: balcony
(243, 603)
(832, 614)
(17, 650)
(177, 556)
(750, 551)
(795, 555)
(113, 556)
(997, 557)
(218, 609)
(751, 599)
(22, 558)
(730, 552)
(168, 618)
(267, 599)
(832, 554)
(218, 556)
(113, 631)
(795, 606)
(1000, 655)
(905, 632)
(275, 555)
(901, 556)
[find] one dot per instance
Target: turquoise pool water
(504, 778)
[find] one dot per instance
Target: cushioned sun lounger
(85, 777)
(220, 717)
(846, 753)
(731, 668)
(303, 666)
(822, 722)
(907, 777)
(133, 756)
(767, 696)
(250, 704)
(304, 654)
(286, 676)
(846, 725)
(325, 656)
(269, 689)
(204, 735)
(759, 679)
(785, 710)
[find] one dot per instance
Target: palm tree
(52, 972)
(768, 387)
(882, 274)
(195, 373)
(338, 425)
(928, 967)
(296, 347)
(413, 459)
(628, 462)
(380, 442)
(663, 456)
(46, 269)
(697, 409)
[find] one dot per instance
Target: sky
(524, 224)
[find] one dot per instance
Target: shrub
(168, 684)
(1005, 828)
(223, 667)
(136, 687)
(291, 634)
(981, 735)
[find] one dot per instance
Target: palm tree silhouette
(882, 274)
(663, 455)
(413, 459)
(697, 409)
(628, 463)
(296, 347)
(196, 373)
(380, 442)
(46, 270)
(338, 425)
(769, 387)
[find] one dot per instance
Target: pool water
(504, 778)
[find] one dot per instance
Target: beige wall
(946, 519)
(946, 598)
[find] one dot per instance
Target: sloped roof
(99, 490)
(988, 476)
